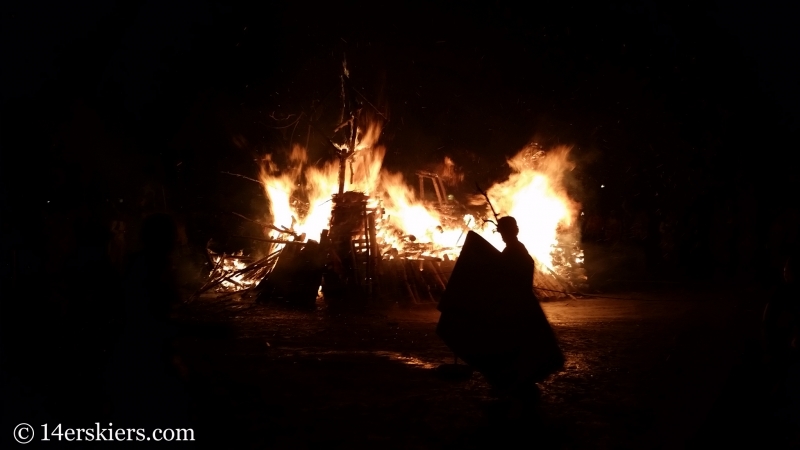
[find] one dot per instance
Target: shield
(501, 333)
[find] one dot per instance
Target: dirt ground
(643, 370)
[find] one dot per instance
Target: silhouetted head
(159, 234)
(508, 229)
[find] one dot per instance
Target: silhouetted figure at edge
(143, 381)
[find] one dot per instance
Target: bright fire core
(300, 200)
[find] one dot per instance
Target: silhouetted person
(144, 384)
(492, 320)
(518, 264)
(516, 259)
(538, 354)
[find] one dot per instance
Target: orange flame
(534, 194)
(320, 183)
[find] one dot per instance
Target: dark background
(684, 113)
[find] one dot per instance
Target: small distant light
(48, 201)
(581, 212)
(602, 186)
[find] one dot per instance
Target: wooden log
(419, 278)
(423, 292)
(261, 271)
(272, 241)
(432, 275)
(374, 252)
(407, 281)
(397, 284)
(436, 268)
(429, 280)
(228, 277)
(231, 280)
(239, 258)
(438, 193)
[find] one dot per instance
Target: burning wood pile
(380, 243)
(380, 240)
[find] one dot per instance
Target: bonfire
(391, 241)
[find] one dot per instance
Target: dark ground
(654, 367)
(641, 372)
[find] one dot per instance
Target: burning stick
(249, 219)
(350, 86)
(236, 258)
(229, 277)
(265, 225)
(242, 176)
(209, 284)
(469, 222)
(231, 280)
(489, 202)
(259, 273)
(272, 241)
(217, 265)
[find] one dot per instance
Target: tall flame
(313, 186)
(300, 199)
(535, 196)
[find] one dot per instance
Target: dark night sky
(674, 107)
